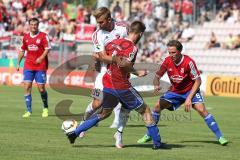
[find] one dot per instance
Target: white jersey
(100, 39)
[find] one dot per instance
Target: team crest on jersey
(182, 70)
(38, 41)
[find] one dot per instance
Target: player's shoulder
(42, 34)
(127, 43)
(187, 58)
(95, 35)
(167, 59)
(121, 41)
(97, 31)
(26, 34)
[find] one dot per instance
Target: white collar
(33, 36)
(180, 61)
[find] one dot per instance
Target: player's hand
(17, 67)
(188, 104)
(156, 85)
(119, 60)
(157, 88)
(95, 56)
(141, 73)
(39, 60)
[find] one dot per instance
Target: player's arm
(195, 88)
(43, 56)
(157, 77)
(47, 47)
(20, 56)
(100, 57)
(97, 63)
(21, 53)
(195, 75)
(105, 58)
(140, 73)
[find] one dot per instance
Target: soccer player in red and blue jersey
(185, 79)
(117, 87)
(36, 45)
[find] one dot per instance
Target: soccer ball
(69, 125)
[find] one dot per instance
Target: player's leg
(210, 121)
(123, 118)
(168, 101)
(109, 102)
(131, 99)
(40, 78)
(93, 107)
(27, 81)
(95, 104)
(116, 120)
(97, 96)
(152, 128)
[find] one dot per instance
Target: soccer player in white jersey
(107, 31)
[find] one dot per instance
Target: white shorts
(98, 87)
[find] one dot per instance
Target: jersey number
(96, 92)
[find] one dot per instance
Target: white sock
(88, 111)
(120, 129)
(117, 114)
(123, 118)
(89, 108)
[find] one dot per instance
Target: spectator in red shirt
(187, 11)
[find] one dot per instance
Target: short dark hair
(175, 43)
(34, 19)
(137, 27)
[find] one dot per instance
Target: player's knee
(163, 104)
(28, 88)
(157, 108)
(41, 88)
(96, 104)
(200, 108)
(142, 109)
(105, 114)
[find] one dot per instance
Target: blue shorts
(178, 99)
(129, 98)
(39, 76)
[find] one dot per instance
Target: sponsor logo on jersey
(32, 47)
(176, 78)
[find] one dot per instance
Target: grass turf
(186, 134)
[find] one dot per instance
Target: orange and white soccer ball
(69, 125)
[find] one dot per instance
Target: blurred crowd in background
(164, 20)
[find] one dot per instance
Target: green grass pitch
(186, 134)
